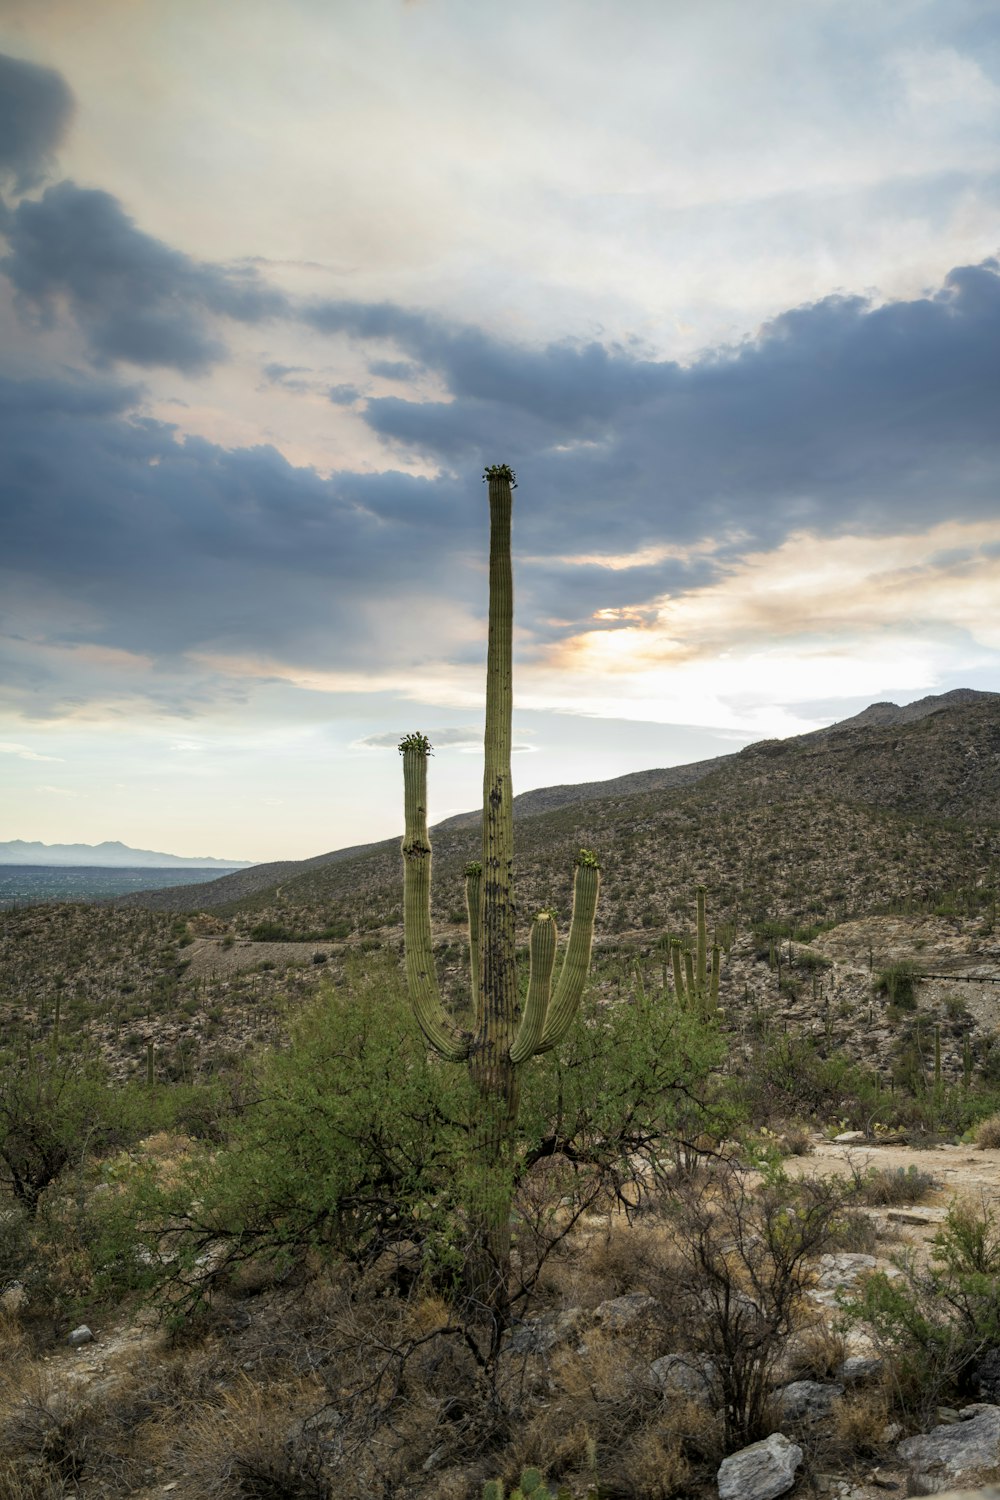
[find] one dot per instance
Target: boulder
(689, 1375)
(81, 1335)
(621, 1312)
(760, 1472)
(857, 1369)
(807, 1400)
(953, 1452)
(843, 1269)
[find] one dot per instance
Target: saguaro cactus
(501, 1040)
(696, 980)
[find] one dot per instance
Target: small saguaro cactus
(696, 981)
(501, 1040)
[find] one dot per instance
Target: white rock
(843, 1269)
(81, 1335)
(850, 1138)
(947, 1453)
(760, 1472)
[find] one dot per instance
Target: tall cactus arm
(692, 988)
(702, 961)
(444, 1037)
(675, 959)
(576, 962)
(473, 897)
(542, 948)
(716, 965)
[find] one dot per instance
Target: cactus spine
(500, 1041)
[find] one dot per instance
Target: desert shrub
(811, 961)
(932, 1325)
(881, 1186)
(897, 982)
(357, 1140)
(744, 1264)
(788, 1077)
(988, 1133)
(55, 1106)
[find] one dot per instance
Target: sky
(719, 281)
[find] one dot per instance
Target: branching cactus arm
(542, 948)
(443, 1035)
(576, 963)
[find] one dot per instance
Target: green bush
(55, 1108)
(897, 981)
(358, 1140)
(933, 1325)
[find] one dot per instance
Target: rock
(843, 1269)
(14, 1297)
(542, 1334)
(883, 1480)
(760, 1472)
(953, 1451)
(917, 1215)
(688, 1375)
(859, 1368)
(807, 1400)
(850, 1138)
(81, 1335)
(986, 1376)
(620, 1312)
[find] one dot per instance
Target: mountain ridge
(109, 854)
(845, 754)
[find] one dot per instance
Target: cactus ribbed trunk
(491, 1069)
(501, 1041)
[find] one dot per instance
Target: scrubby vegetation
(225, 1147)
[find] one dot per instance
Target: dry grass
(988, 1133)
(815, 1352)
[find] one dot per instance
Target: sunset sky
(719, 280)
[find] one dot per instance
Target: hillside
(880, 810)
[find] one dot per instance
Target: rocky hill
(888, 808)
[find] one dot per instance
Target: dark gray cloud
(838, 414)
(286, 376)
(125, 536)
(36, 108)
(135, 298)
(343, 395)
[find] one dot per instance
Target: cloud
(121, 538)
(841, 413)
(36, 107)
(452, 738)
(642, 482)
(24, 752)
(135, 298)
(343, 395)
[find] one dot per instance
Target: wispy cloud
(25, 752)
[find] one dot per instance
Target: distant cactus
(500, 1041)
(696, 981)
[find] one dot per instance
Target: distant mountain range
(110, 855)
